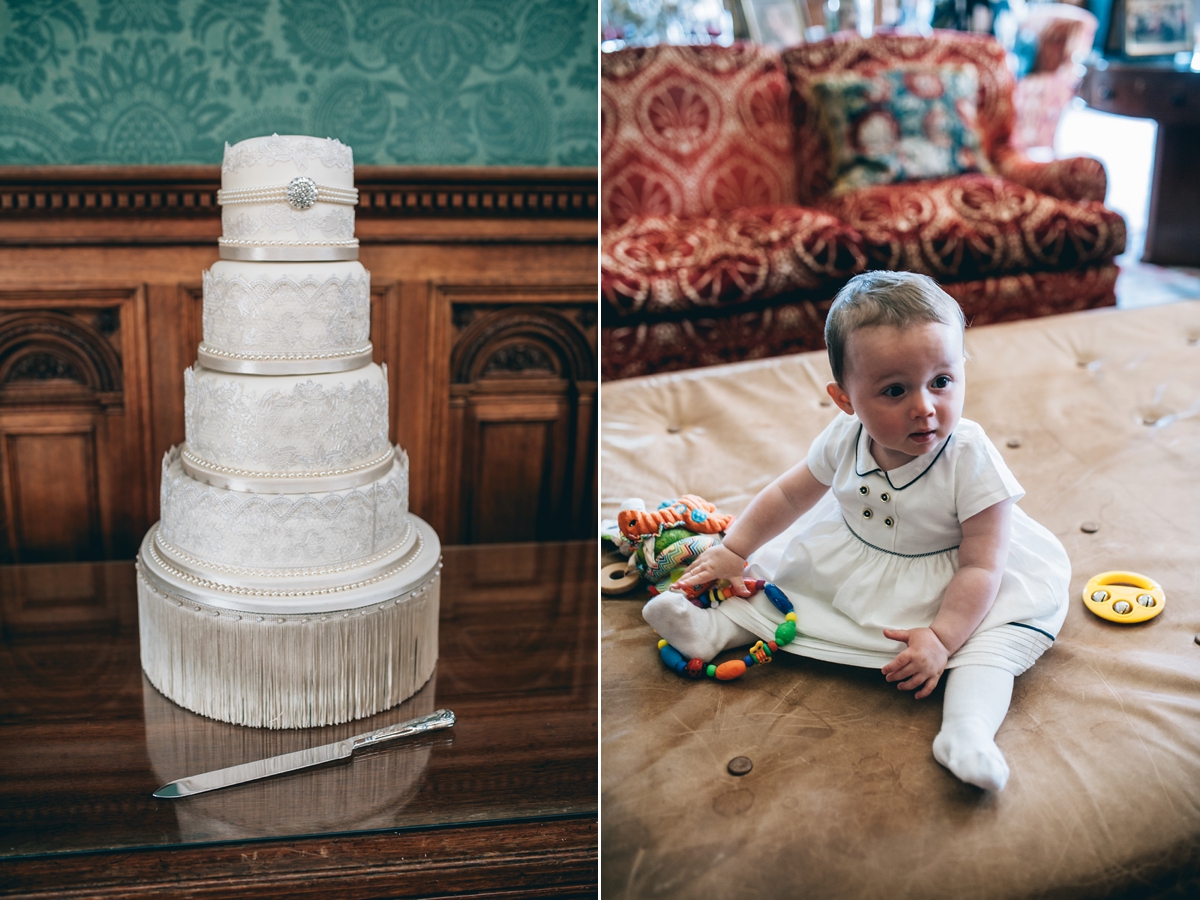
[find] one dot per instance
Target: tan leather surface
(845, 798)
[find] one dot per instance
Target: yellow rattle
(1124, 597)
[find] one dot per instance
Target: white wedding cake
(286, 584)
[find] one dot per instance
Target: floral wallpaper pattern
(439, 82)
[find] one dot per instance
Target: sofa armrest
(1077, 178)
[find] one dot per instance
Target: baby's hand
(714, 564)
(921, 663)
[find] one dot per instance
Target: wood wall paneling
(512, 477)
(73, 423)
(483, 306)
(52, 498)
(43, 600)
(520, 404)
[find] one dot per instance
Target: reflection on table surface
(85, 739)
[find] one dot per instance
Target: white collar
(900, 477)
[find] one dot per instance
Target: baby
(918, 559)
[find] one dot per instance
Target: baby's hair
(899, 299)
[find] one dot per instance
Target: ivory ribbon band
(289, 364)
(279, 483)
(289, 252)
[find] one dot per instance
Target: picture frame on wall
(776, 23)
(1157, 27)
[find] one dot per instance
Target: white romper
(879, 549)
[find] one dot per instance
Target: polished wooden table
(505, 803)
(1169, 95)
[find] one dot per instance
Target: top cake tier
(288, 197)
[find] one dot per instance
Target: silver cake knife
(302, 759)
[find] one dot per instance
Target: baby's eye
(942, 381)
(893, 390)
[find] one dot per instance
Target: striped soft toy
(689, 511)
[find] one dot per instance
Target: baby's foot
(694, 632)
(972, 756)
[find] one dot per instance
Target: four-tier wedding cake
(286, 584)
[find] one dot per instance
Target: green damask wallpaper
(472, 82)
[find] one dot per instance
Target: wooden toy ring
(1124, 597)
(615, 580)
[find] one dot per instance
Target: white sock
(977, 699)
(693, 631)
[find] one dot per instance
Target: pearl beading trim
(201, 463)
(231, 242)
(283, 357)
(324, 194)
(259, 592)
(167, 547)
(242, 615)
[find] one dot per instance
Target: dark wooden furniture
(503, 804)
(1171, 97)
(483, 288)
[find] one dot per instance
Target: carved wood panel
(52, 501)
(520, 412)
(73, 424)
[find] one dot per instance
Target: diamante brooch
(302, 192)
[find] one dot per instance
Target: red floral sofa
(721, 241)
(1064, 34)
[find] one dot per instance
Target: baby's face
(907, 386)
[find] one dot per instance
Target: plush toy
(689, 511)
(661, 544)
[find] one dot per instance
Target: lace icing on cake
(320, 423)
(267, 314)
(241, 528)
(309, 572)
(298, 151)
(334, 224)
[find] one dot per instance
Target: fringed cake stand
(307, 648)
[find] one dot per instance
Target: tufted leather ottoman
(1098, 415)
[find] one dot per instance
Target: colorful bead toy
(760, 654)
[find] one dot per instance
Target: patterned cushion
(975, 226)
(900, 125)
(763, 330)
(870, 56)
(660, 264)
(687, 131)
